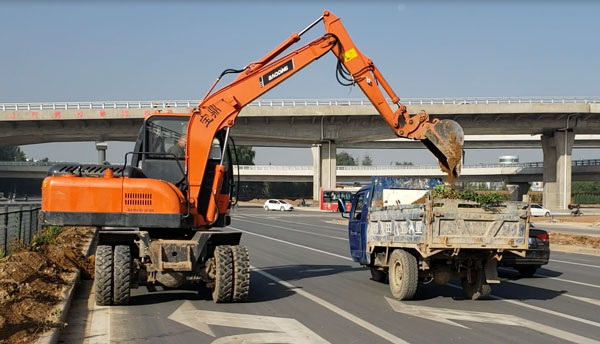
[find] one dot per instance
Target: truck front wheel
(477, 288)
(403, 273)
(103, 275)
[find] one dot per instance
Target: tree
(11, 153)
(245, 155)
(345, 159)
(367, 161)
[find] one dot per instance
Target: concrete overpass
(516, 176)
(328, 124)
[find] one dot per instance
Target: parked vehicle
(437, 239)
(538, 254)
(538, 210)
(278, 204)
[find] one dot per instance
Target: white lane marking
(584, 299)
(444, 315)
(291, 243)
(296, 230)
(299, 223)
(565, 262)
(100, 329)
(540, 309)
(569, 281)
(517, 303)
(335, 309)
(280, 330)
(558, 279)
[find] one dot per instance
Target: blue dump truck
(402, 234)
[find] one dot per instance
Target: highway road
(306, 289)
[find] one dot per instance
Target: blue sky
(79, 51)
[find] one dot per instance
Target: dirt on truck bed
(33, 282)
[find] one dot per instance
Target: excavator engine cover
(445, 140)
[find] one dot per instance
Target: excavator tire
(103, 275)
(223, 288)
(241, 273)
(122, 275)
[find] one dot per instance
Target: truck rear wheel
(378, 275)
(223, 288)
(478, 288)
(103, 275)
(403, 273)
(241, 273)
(122, 275)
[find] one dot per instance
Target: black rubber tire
(403, 275)
(378, 275)
(527, 270)
(103, 275)
(547, 214)
(122, 275)
(223, 288)
(282, 209)
(241, 273)
(478, 288)
(266, 208)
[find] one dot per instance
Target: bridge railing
(18, 222)
(165, 104)
(584, 162)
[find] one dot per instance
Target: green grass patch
(485, 199)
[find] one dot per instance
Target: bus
(329, 198)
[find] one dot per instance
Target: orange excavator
(160, 213)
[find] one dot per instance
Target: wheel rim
(397, 273)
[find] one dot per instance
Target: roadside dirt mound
(576, 240)
(32, 283)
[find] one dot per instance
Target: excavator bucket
(445, 140)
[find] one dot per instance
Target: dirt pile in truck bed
(32, 284)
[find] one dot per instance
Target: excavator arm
(218, 110)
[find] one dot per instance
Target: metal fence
(18, 222)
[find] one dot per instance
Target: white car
(278, 204)
(538, 210)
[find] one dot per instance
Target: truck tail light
(543, 237)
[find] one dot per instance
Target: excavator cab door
(162, 142)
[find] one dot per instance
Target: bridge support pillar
(558, 148)
(101, 147)
(517, 191)
(324, 166)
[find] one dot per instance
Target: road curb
(51, 337)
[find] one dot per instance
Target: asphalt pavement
(306, 289)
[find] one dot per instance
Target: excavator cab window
(164, 140)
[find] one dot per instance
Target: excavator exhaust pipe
(445, 140)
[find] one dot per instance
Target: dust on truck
(435, 239)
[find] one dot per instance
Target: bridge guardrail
(18, 222)
(586, 162)
(165, 104)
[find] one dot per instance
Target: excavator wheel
(241, 273)
(223, 287)
(121, 275)
(103, 275)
